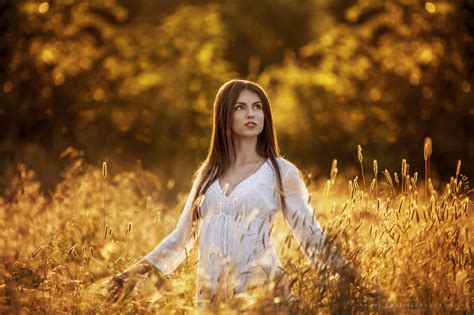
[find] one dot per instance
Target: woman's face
(248, 117)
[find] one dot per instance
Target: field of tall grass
(409, 239)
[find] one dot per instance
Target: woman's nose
(250, 113)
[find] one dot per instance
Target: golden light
(466, 86)
(99, 95)
(325, 79)
(414, 79)
(43, 7)
(170, 184)
(430, 7)
(121, 15)
(426, 55)
(47, 55)
(85, 63)
(392, 297)
(327, 40)
(59, 79)
(375, 95)
(7, 87)
(427, 92)
(352, 14)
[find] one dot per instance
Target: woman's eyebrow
(243, 103)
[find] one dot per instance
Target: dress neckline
(221, 190)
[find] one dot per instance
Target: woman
(235, 196)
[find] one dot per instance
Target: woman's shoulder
(286, 167)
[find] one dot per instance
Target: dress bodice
(235, 246)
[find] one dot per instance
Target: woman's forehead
(248, 96)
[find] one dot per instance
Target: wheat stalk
(360, 158)
(376, 171)
(104, 176)
(427, 150)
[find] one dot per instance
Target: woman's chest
(256, 196)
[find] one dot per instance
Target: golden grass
(413, 250)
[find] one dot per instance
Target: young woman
(235, 196)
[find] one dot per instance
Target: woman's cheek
(236, 121)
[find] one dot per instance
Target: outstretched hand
(349, 274)
(120, 286)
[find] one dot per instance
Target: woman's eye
(238, 107)
(258, 106)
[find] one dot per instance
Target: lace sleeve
(171, 251)
(303, 223)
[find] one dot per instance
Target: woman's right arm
(172, 251)
(140, 268)
(168, 254)
(117, 283)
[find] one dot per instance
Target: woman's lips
(250, 125)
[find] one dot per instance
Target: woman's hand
(121, 285)
(348, 273)
(115, 286)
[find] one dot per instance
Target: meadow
(408, 237)
(121, 80)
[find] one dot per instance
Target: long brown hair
(221, 148)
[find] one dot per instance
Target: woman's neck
(245, 150)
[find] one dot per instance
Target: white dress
(235, 245)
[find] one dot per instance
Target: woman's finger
(111, 295)
(114, 290)
(114, 296)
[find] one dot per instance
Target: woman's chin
(247, 134)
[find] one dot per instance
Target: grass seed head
(104, 170)
(334, 171)
(458, 168)
(428, 148)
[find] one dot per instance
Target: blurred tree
(259, 32)
(390, 75)
(135, 79)
(85, 74)
(49, 68)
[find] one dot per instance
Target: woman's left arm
(304, 225)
